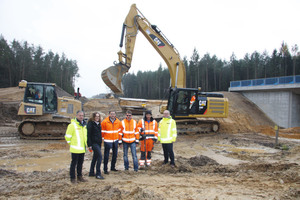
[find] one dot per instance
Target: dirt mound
(202, 161)
(244, 116)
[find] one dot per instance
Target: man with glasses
(129, 136)
(167, 134)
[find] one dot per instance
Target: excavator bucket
(112, 77)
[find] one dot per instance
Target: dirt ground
(239, 162)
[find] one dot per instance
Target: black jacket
(94, 133)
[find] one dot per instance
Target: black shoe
(81, 179)
(126, 169)
(106, 172)
(136, 170)
(99, 177)
(114, 170)
(172, 166)
(73, 181)
(90, 174)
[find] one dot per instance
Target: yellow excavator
(45, 115)
(186, 105)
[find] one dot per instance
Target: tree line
(213, 74)
(22, 61)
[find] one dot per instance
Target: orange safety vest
(193, 99)
(129, 131)
(151, 131)
(110, 131)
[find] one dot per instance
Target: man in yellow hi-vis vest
(167, 134)
(76, 137)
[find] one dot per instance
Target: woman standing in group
(94, 142)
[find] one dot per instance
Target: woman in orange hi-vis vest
(148, 129)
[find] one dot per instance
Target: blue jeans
(97, 158)
(133, 153)
(107, 147)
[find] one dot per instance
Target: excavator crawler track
(43, 129)
(195, 126)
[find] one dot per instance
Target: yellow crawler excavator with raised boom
(186, 105)
(45, 115)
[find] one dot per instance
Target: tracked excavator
(45, 115)
(193, 110)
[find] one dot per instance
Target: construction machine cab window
(42, 94)
(34, 94)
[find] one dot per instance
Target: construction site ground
(239, 162)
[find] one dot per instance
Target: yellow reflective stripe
(78, 137)
(166, 139)
(76, 147)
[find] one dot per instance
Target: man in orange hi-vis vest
(129, 137)
(111, 126)
(148, 129)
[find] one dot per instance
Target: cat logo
(30, 110)
(157, 41)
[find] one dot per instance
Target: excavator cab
(191, 103)
(42, 95)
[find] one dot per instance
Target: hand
(90, 149)
(137, 143)
(142, 137)
(141, 130)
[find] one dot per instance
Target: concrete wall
(283, 107)
(295, 122)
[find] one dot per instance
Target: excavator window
(50, 99)
(182, 102)
(34, 94)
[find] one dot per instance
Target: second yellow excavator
(186, 105)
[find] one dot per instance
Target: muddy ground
(239, 162)
(208, 166)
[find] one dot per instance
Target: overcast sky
(89, 31)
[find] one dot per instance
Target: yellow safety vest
(167, 131)
(76, 137)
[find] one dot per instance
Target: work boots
(73, 181)
(81, 179)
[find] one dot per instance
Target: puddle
(60, 160)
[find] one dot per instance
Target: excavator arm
(134, 22)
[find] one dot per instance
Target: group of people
(115, 133)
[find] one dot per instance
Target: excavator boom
(134, 22)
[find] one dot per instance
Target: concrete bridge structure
(278, 97)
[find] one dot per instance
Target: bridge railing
(266, 81)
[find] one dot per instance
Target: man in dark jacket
(94, 142)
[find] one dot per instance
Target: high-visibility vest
(192, 101)
(110, 131)
(76, 137)
(167, 131)
(129, 131)
(150, 128)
